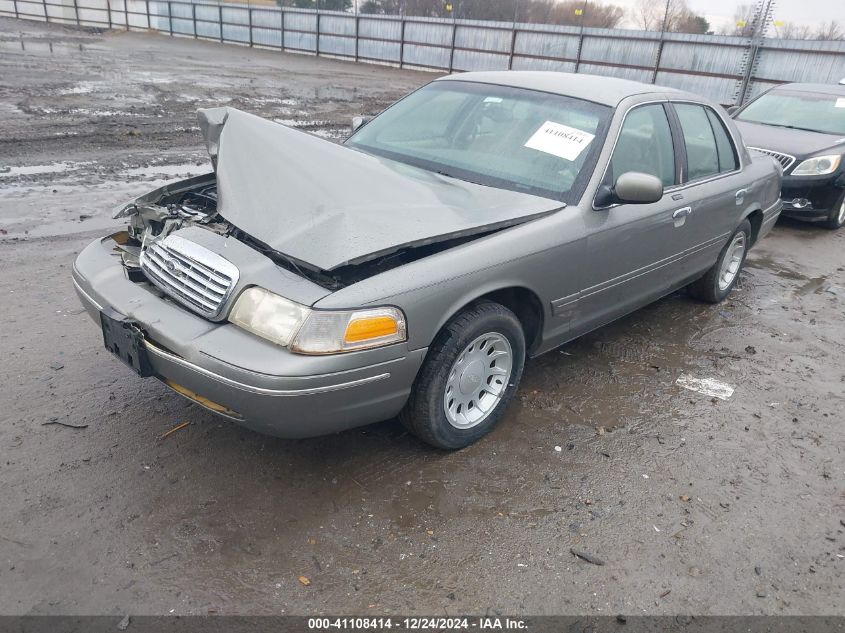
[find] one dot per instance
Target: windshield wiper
(796, 127)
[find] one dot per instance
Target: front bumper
(811, 197)
(225, 369)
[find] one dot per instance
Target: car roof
(825, 89)
(605, 90)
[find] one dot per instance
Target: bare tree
(831, 30)
(671, 15)
(649, 15)
(793, 31)
(589, 13)
(746, 16)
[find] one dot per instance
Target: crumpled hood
(798, 143)
(328, 205)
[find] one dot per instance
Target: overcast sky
(720, 12)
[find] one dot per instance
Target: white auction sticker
(560, 140)
(840, 103)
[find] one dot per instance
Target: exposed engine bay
(193, 202)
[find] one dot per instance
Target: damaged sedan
(305, 287)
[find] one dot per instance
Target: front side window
(512, 138)
(811, 111)
(645, 145)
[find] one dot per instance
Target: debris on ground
(67, 424)
(123, 624)
(178, 427)
(590, 558)
(707, 386)
(57, 366)
(305, 581)
(665, 593)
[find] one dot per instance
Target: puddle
(154, 171)
(81, 88)
(35, 170)
(815, 285)
(149, 77)
(767, 263)
(48, 47)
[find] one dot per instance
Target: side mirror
(360, 121)
(636, 188)
(732, 109)
(632, 187)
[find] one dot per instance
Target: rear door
(632, 248)
(712, 185)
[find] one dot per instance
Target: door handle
(740, 195)
(679, 217)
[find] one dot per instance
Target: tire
(836, 219)
(458, 359)
(713, 287)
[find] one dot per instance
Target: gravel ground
(696, 505)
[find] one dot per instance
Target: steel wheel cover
(478, 380)
(732, 262)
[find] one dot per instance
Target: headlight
(818, 166)
(307, 331)
(268, 315)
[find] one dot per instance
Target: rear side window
(702, 153)
(645, 145)
(724, 146)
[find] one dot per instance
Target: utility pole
(580, 37)
(663, 28)
(762, 17)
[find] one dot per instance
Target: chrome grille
(193, 275)
(785, 160)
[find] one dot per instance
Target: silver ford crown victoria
(306, 287)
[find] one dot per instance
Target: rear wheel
(718, 282)
(836, 219)
(471, 373)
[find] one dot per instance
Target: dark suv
(803, 127)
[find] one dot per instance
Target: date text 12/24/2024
(416, 623)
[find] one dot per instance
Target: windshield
(511, 138)
(803, 110)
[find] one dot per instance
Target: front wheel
(471, 372)
(836, 219)
(718, 282)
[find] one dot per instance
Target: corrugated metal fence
(726, 69)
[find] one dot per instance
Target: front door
(631, 248)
